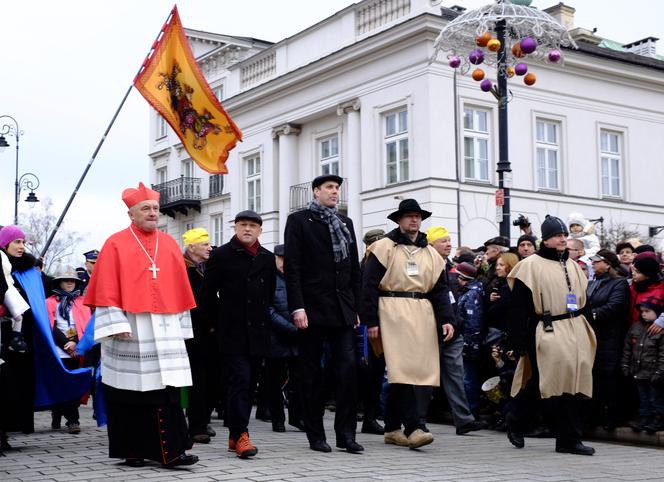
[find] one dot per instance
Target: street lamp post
(516, 33)
(27, 180)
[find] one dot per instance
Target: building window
(161, 127)
(253, 164)
(547, 145)
(328, 155)
(161, 175)
(396, 146)
(476, 144)
(188, 226)
(216, 229)
(187, 168)
(610, 158)
(219, 92)
(216, 185)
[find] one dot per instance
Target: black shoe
(56, 421)
(637, 425)
(4, 442)
(351, 446)
(576, 448)
(201, 438)
(320, 446)
(516, 439)
(373, 427)
(184, 459)
(135, 462)
(210, 431)
(278, 427)
(471, 427)
(17, 342)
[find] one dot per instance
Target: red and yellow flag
(171, 81)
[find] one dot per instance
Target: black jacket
(283, 333)
(497, 312)
(374, 272)
(609, 302)
(245, 286)
(328, 291)
(643, 354)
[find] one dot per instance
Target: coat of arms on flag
(174, 85)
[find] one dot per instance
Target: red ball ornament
(516, 50)
(529, 78)
(478, 74)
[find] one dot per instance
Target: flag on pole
(171, 81)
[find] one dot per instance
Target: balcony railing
(301, 195)
(179, 195)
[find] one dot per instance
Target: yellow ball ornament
(493, 44)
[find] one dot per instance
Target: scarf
(66, 298)
(339, 233)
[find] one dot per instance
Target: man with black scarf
(549, 331)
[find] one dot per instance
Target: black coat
(497, 312)
(283, 333)
(609, 301)
(237, 291)
(328, 291)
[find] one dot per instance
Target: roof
(608, 50)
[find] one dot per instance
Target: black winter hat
(553, 226)
(644, 248)
(647, 264)
(527, 237)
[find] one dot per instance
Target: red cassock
(122, 275)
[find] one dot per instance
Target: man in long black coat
(238, 287)
(323, 285)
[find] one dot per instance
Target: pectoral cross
(154, 270)
(163, 324)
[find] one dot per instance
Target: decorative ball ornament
(528, 45)
(478, 74)
(516, 50)
(486, 85)
(493, 44)
(455, 61)
(476, 57)
(554, 56)
(529, 78)
(482, 40)
(520, 69)
(510, 72)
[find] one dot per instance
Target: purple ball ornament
(528, 45)
(455, 61)
(486, 85)
(476, 57)
(520, 69)
(554, 56)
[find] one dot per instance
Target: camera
(521, 221)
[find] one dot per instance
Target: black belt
(404, 294)
(548, 319)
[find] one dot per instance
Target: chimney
(646, 47)
(563, 14)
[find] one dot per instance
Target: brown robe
(408, 325)
(565, 356)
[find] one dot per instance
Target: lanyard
(563, 264)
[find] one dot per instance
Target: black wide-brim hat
(323, 179)
(408, 206)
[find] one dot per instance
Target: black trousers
(280, 373)
(341, 341)
(401, 407)
(68, 410)
(205, 382)
(240, 369)
(370, 384)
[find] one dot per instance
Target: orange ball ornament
(483, 40)
(516, 50)
(493, 44)
(529, 78)
(510, 72)
(478, 74)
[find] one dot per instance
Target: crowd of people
(548, 337)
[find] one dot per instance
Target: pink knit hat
(9, 234)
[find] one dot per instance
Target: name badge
(571, 302)
(411, 268)
(452, 300)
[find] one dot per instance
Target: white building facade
(356, 95)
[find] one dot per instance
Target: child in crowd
(69, 317)
(643, 360)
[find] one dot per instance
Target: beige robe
(408, 325)
(565, 356)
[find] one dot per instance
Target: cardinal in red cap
(142, 298)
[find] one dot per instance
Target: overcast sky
(66, 65)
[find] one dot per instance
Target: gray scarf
(339, 233)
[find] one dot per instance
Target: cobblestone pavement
(49, 455)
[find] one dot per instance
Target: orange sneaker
(244, 448)
(231, 445)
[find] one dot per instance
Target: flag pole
(103, 137)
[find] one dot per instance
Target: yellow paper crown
(196, 235)
(435, 233)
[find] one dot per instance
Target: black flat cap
(323, 179)
(408, 206)
(280, 250)
(249, 215)
(498, 241)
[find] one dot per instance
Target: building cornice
(286, 130)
